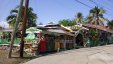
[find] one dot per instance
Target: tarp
(30, 36)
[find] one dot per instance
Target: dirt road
(94, 55)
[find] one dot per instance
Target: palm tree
(79, 18)
(67, 22)
(110, 24)
(96, 16)
(31, 20)
(0, 27)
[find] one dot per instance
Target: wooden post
(15, 28)
(65, 42)
(24, 28)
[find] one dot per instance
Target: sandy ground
(94, 55)
(15, 60)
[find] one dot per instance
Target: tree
(79, 18)
(0, 27)
(110, 24)
(31, 20)
(50, 23)
(67, 22)
(96, 16)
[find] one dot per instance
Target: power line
(110, 1)
(83, 3)
(100, 6)
(93, 2)
(90, 6)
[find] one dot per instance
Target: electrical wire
(83, 3)
(94, 2)
(101, 6)
(90, 6)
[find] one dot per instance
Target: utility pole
(24, 28)
(15, 28)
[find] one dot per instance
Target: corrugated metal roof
(57, 30)
(60, 31)
(99, 27)
(6, 30)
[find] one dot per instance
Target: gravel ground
(94, 55)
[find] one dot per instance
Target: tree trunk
(15, 28)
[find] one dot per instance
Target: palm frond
(10, 17)
(13, 11)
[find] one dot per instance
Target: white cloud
(4, 24)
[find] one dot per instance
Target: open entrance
(79, 40)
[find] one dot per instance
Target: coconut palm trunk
(15, 28)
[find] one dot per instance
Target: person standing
(42, 44)
(57, 44)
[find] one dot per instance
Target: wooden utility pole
(24, 28)
(15, 28)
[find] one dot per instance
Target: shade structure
(33, 30)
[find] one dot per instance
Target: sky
(55, 10)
